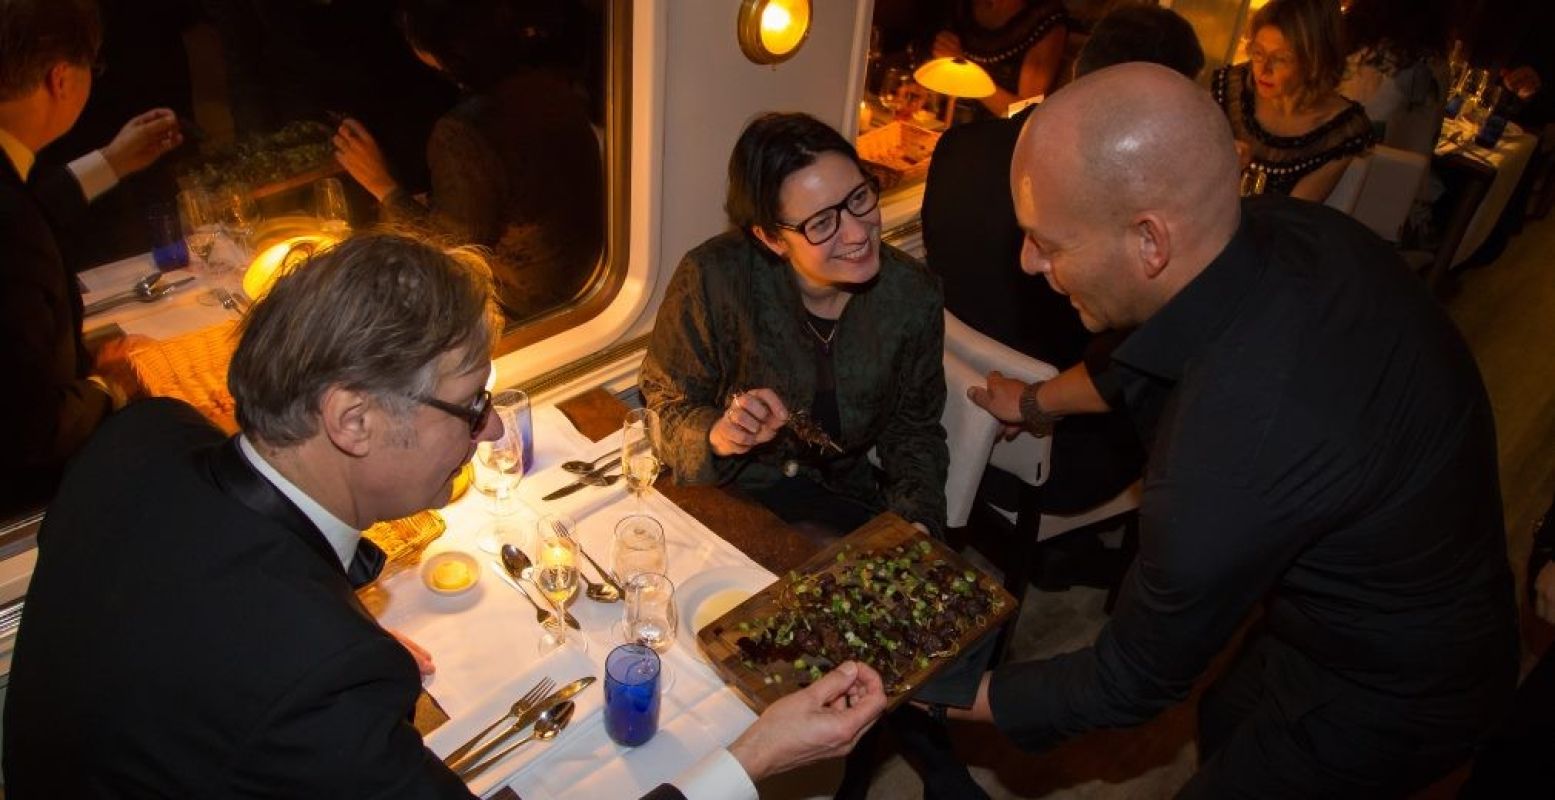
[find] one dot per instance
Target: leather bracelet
(1039, 422)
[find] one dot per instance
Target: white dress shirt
(342, 538)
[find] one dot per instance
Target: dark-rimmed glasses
(820, 227)
(477, 414)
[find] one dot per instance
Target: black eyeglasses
(477, 414)
(818, 228)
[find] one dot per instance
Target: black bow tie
(366, 563)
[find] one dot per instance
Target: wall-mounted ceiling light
(771, 31)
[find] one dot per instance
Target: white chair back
(1347, 191)
(1392, 183)
(1025, 457)
(970, 432)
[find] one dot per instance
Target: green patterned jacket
(732, 319)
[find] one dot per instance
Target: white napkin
(563, 667)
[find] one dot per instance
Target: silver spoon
(607, 592)
(585, 467)
(143, 289)
(545, 618)
(516, 563)
(551, 722)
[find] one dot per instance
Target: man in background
(57, 395)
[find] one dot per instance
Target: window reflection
(488, 122)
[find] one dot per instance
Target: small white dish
(450, 572)
(708, 595)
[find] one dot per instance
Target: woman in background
(1283, 103)
(800, 310)
(516, 165)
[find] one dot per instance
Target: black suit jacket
(48, 408)
(179, 643)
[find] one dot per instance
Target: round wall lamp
(772, 31)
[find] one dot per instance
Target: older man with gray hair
(1322, 461)
(191, 628)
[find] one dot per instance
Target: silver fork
(520, 706)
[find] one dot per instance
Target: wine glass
(556, 576)
(238, 213)
(329, 206)
(638, 547)
(197, 215)
(641, 444)
(891, 82)
(649, 616)
(500, 465)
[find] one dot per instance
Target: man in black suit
(56, 398)
(191, 625)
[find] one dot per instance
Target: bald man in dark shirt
(1322, 457)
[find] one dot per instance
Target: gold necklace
(824, 340)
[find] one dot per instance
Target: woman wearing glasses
(788, 347)
(1291, 124)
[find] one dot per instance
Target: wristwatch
(1035, 420)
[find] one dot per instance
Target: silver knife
(556, 698)
(591, 479)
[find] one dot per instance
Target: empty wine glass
(197, 214)
(499, 467)
(891, 82)
(556, 576)
(650, 611)
(649, 617)
(638, 547)
(641, 444)
(238, 213)
(329, 206)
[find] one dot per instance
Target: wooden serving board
(718, 639)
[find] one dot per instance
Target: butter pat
(450, 572)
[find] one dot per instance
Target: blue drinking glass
(168, 250)
(631, 694)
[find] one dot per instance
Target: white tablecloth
(485, 643)
(1509, 158)
(180, 312)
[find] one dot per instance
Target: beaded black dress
(1001, 51)
(1288, 159)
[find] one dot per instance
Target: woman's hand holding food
(753, 418)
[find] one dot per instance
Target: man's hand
(823, 720)
(423, 658)
(1001, 399)
(111, 362)
(1544, 593)
(753, 418)
(1523, 82)
(142, 141)
(358, 152)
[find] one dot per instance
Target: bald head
(1133, 150)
